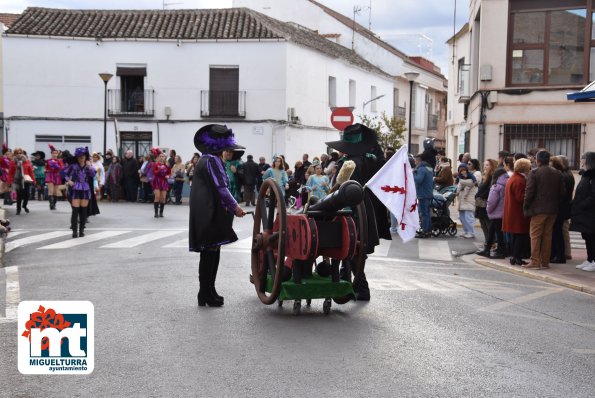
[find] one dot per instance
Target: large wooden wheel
(359, 261)
(268, 241)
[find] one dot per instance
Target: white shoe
(583, 265)
(590, 267)
(469, 236)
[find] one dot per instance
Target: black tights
(23, 197)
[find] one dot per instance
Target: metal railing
(400, 112)
(215, 103)
(432, 122)
(131, 103)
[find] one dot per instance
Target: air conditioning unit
(290, 113)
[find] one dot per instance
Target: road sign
(341, 118)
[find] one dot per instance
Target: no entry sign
(341, 118)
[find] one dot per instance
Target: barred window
(557, 139)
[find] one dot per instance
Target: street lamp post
(105, 77)
(411, 76)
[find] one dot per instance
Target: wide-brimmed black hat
(214, 138)
(40, 153)
(357, 140)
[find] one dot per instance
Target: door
(139, 142)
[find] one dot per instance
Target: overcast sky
(416, 27)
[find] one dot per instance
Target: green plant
(389, 129)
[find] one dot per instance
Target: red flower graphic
(43, 319)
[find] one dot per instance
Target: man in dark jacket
(424, 185)
(130, 175)
(544, 191)
(250, 172)
(262, 167)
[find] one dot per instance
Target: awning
(587, 94)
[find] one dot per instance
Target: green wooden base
(315, 287)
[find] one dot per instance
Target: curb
(2, 240)
(537, 275)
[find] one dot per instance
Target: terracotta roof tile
(8, 19)
(228, 23)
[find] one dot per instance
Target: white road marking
(13, 294)
(245, 244)
(81, 241)
(13, 244)
(12, 234)
(584, 350)
(139, 240)
(179, 243)
(430, 249)
(520, 300)
(382, 249)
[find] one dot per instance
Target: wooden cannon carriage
(285, 247)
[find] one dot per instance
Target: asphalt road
(434, 327)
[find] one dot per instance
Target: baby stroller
(442, 224)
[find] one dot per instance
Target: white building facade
(271, 84)
(514, 62)
(429, 88)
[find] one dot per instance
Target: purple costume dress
(81, 188)
(52, 171)
(160, 173)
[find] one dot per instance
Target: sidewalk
(558, 274)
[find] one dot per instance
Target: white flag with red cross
(394, 186)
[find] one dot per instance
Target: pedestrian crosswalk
(177, 239)
(423, 249)
(576, 241)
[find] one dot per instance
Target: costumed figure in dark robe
(53, 167)
(360, 145)
(77, 175)
(212, 206)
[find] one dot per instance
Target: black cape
(210, 223)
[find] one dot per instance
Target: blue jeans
(393, 224)
(468, 220)
(423, 205)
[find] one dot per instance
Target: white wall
(59, 78)
(307, 86)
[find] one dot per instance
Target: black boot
(485, 252)
(215, 268)
(18, 207)
(82, 220)
(74, 221)
(161, 206)
(8, 199)
(53, 200)
(156, 206)
(205, 273)
(363, 290)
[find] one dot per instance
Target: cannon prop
(285, 247)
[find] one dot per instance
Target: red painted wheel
(359, 261)
(268, 241)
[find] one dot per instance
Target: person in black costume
(360, 144)
(212, 207)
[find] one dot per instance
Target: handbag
(171, 180)
(481, 202)
(27, 178)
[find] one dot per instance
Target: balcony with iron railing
(216, 103)
(131, 103)
(400, 112)
(432, 122)
(464, 83)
